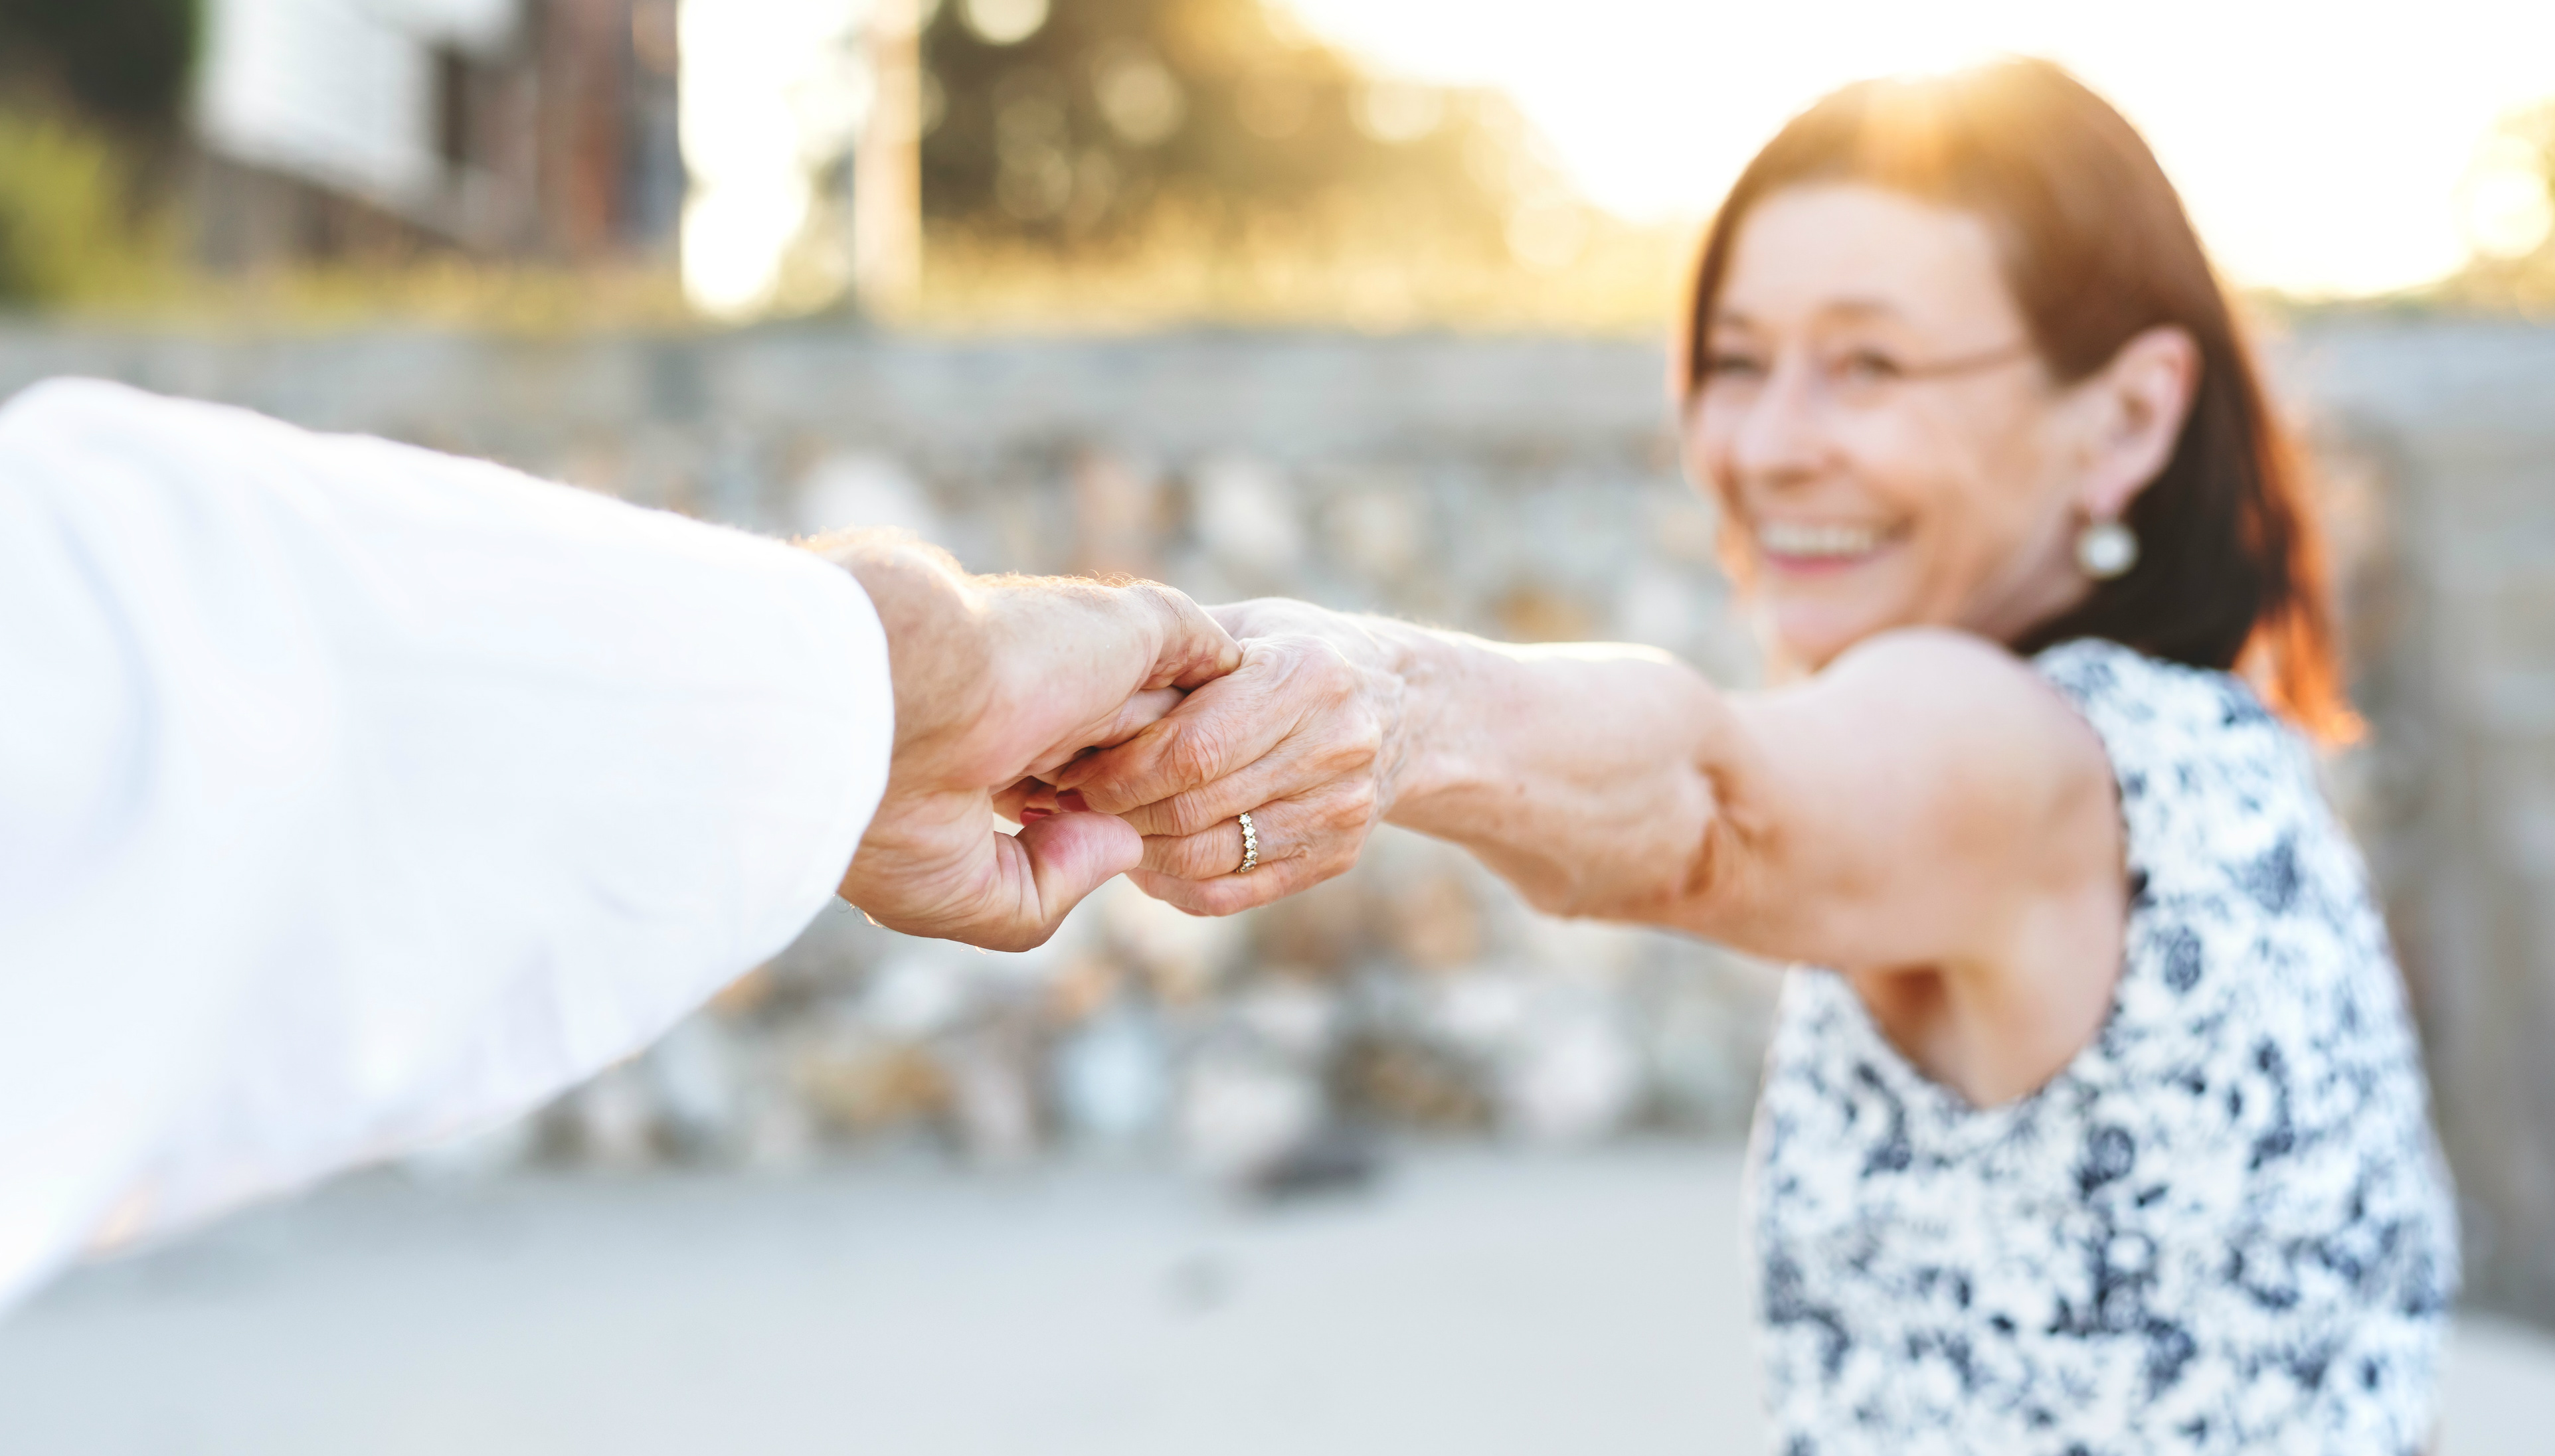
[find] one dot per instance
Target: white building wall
(339, 93)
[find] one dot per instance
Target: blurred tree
(1084, 123)
(93, 92)
(124, 63)
(69, 232)
(1152, 162)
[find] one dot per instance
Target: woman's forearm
(1590, 777)
(1584, 774)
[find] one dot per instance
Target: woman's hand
(1306, 736)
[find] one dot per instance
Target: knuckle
(1370, 738)
(1189, 754)
(1304, 657)
(1356, 744)
(1192, 813)
(1177, 858)
(1358, 805)
(1202, 858)
(1341, 678)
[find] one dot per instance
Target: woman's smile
(1817, 547)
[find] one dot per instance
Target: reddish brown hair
(2097, 250)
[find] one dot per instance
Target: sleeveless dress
(2224, 1226)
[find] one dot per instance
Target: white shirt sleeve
(352, 796)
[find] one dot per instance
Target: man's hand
(999, 680)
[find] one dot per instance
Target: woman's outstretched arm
(1926, 801)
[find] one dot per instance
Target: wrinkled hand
(998, 679)
(1306, 736)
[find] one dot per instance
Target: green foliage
(1113, 112)
(68, 232)
(1149, 163)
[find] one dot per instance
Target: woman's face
(1887, 447)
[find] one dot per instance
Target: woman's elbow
(1671, 884)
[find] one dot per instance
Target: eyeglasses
(1851, 379)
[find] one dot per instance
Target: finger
(1139, 712)
(1279, 777)
(1204, 856)
(935, 868)
(1233, 894)
(1221, 727)
(1217, 851)
(1196, 648)
(1329, 823)
(1332, 769)
(1026, 799)
(1067, 857)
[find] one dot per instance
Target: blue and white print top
(2222, 1227)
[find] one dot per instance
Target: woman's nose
(1781, 430)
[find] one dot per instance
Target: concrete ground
(1476, 1303)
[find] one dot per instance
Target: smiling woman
(2022, 242)
(2094, 1118)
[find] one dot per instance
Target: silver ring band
(1250, 846)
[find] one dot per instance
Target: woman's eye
(1733, 366)
(1869, 366)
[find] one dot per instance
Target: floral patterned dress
(2222, 1227)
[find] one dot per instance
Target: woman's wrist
(1427, 754)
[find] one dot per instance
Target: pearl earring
(2106, 548)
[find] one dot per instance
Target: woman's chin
(1811, 637)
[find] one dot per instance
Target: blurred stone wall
(1522, 487)
(2439, 440)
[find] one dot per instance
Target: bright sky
(2330, 148)
(768, 88)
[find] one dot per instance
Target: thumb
(1072, 854)
(1195, 649)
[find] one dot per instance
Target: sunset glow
(2325, 149)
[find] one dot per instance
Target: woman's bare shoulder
(1956, 696)
(1916, 792)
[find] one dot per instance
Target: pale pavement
(1477, 1303)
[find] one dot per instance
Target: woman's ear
(2136, 406)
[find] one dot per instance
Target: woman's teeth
(1787, 540)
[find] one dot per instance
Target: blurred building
(336, 129)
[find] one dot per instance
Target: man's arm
(353, 796)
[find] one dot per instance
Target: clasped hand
(997, 680)
(1308, 735)
(1035, 696)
